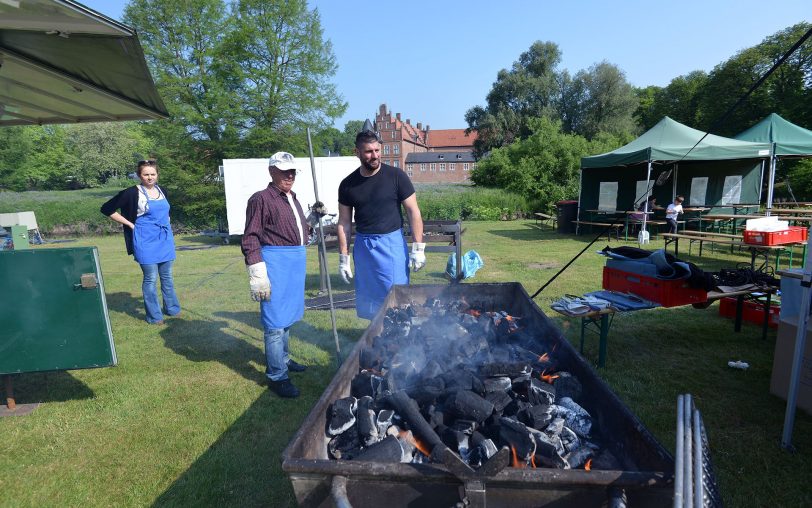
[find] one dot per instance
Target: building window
(386, 149)
(474, 166)
(423, 167)
(465, 166)
(451, 166)
(397, 163)
(395, 148)
(409, 172)
(409, 167)
(442, 166)
(432, 167)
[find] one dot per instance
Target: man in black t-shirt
(375, 192)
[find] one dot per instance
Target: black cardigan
(127, 202)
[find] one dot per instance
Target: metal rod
(678, 486)
(338, 491)
(323, 248)
(687, 494)
(698, 469)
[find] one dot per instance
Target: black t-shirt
(376, 199)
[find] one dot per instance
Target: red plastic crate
(792, 235)
(752, 312)
(668, 293)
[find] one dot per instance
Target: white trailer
(244, 177)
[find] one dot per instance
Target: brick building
(407, 146)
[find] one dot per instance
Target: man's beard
(369, 167)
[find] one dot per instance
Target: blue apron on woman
(153, 241)
(286, 271)
(385, 262)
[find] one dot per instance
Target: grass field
(185, 420)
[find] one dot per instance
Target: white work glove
(344, 267)
(417, 259)
(259, 283)
(317, 211)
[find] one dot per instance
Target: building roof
(422, 157)
(451, 137)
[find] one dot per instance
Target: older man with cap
(375, 193)
(273, 243)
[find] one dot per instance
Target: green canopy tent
(786, 140)
(717, 171)
(61, 62)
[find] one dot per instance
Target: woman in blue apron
(148, 236)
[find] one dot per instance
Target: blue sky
(433, 60)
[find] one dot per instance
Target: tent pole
(648, 192)
(771, 181)
(674, 182)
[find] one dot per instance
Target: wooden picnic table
(791, 211)
(733, 241)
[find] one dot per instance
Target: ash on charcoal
(577, 418)
(514, 407)
(367, 384)
(535, 391)
(342, 415)
(345, 445)
(384, 420)
(537, 416)
(468, 405)
(388, 450)
(431, 370)
(569, 439)
(518, 437)
(365, 418)
(428, 391)
(567, 385)
(579, 456)
(497, 384)
(467, 426)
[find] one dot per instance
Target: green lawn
(185, 419)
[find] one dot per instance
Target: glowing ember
(549, 378)
(516, 462)
(409, 437)
(545, 357)
(588, 465)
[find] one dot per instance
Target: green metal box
(19, 235)
(53, 312)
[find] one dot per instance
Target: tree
(103, 150)
(601, 100)
(530, 89)
(679, 100)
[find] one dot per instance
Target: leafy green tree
(679, 100)
(530, 89)
(47, 166)
(602, 100)
(103, 150)
(16, 144)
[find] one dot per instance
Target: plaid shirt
(270, 220)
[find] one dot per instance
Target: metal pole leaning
(323, 251)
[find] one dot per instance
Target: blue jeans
(171, 306)
(276, 353)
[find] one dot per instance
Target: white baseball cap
(283, 161)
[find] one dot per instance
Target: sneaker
(295, 366)
(284, 388)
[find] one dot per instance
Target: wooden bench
(608, 227)
(543, 218)
(635, 224)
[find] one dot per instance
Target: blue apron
(286, 271)
(153, 241)
(383, 261)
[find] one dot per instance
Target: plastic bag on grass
(471, 262)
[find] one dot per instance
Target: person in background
(143, 211)
(273, 243)
(374, 193)
(673, 211)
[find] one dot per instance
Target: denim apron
(286, 271)
(381, 261)
(153, 241)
